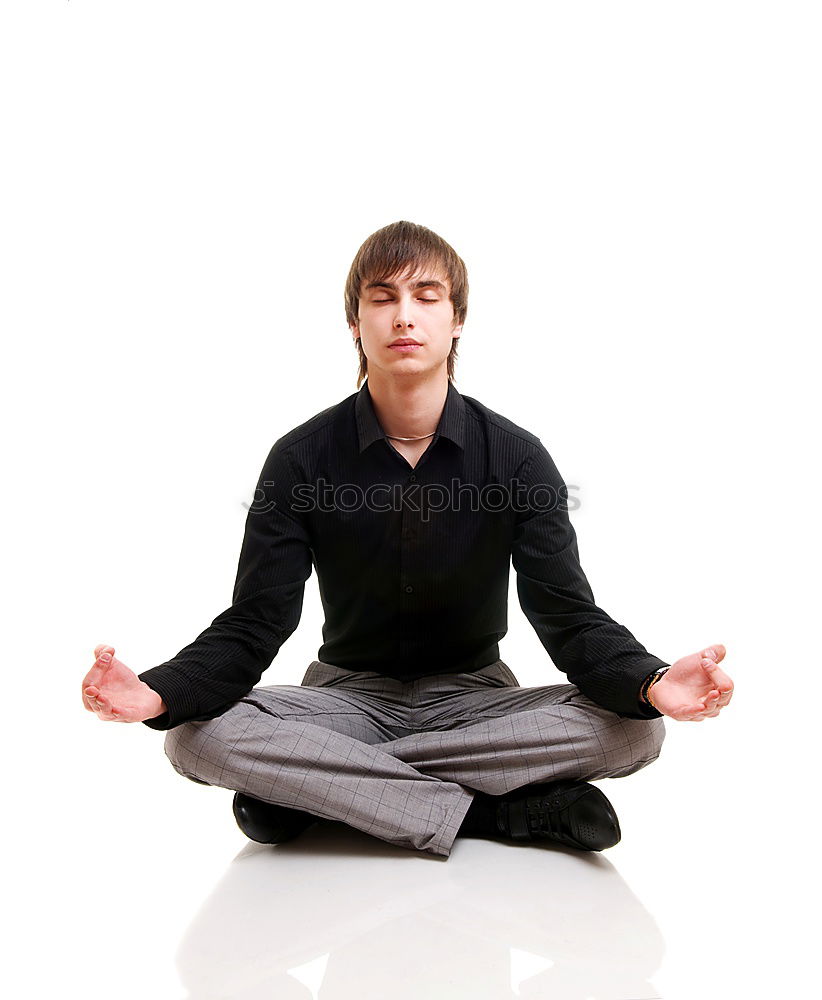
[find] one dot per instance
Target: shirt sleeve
(598, 655)
(226, 660)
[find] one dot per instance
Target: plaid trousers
(402, 760)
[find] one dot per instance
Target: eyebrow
(425, 283)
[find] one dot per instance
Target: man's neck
(408, 407)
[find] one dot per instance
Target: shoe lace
(543, 813)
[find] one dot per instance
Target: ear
(355, 331)
(457, 331)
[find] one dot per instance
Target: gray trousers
(402, 761)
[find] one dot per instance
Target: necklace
(393, 437)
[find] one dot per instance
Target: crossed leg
(348, 763)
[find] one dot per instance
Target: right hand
(115, 693)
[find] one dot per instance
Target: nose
(403, 318)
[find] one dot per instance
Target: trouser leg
(501, 739)
(332, 767)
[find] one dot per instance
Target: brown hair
(393, 250)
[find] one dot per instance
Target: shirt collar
(451, 425)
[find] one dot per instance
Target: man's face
(416, 307)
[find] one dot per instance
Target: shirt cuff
(175, 691)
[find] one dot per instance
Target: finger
(709, 711)
(94, 704)
(695, 712)
(103, 648)
(107, 714)
(104, 659)
(719, 678)
(101, 665)
(715, 652)
(687, 714)
(716, 698)
(99, 703)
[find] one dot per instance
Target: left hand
(694, 688)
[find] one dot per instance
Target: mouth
(405, 344)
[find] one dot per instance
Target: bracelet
(645, 690)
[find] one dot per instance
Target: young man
(411, 501)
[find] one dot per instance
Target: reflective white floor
(142, 885)
(337, 916)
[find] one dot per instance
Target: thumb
(708, 666)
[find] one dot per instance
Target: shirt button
(409, 590)
(412, 479)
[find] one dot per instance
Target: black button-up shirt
(412, 563)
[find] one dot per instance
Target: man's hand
(115, 693)
(694, 688)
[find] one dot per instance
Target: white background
(634, 188)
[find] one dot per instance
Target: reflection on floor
(337, 914)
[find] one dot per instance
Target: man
(411, 501)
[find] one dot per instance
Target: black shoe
(572, 812)
(268, 823)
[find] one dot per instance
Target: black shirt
(412, 563)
